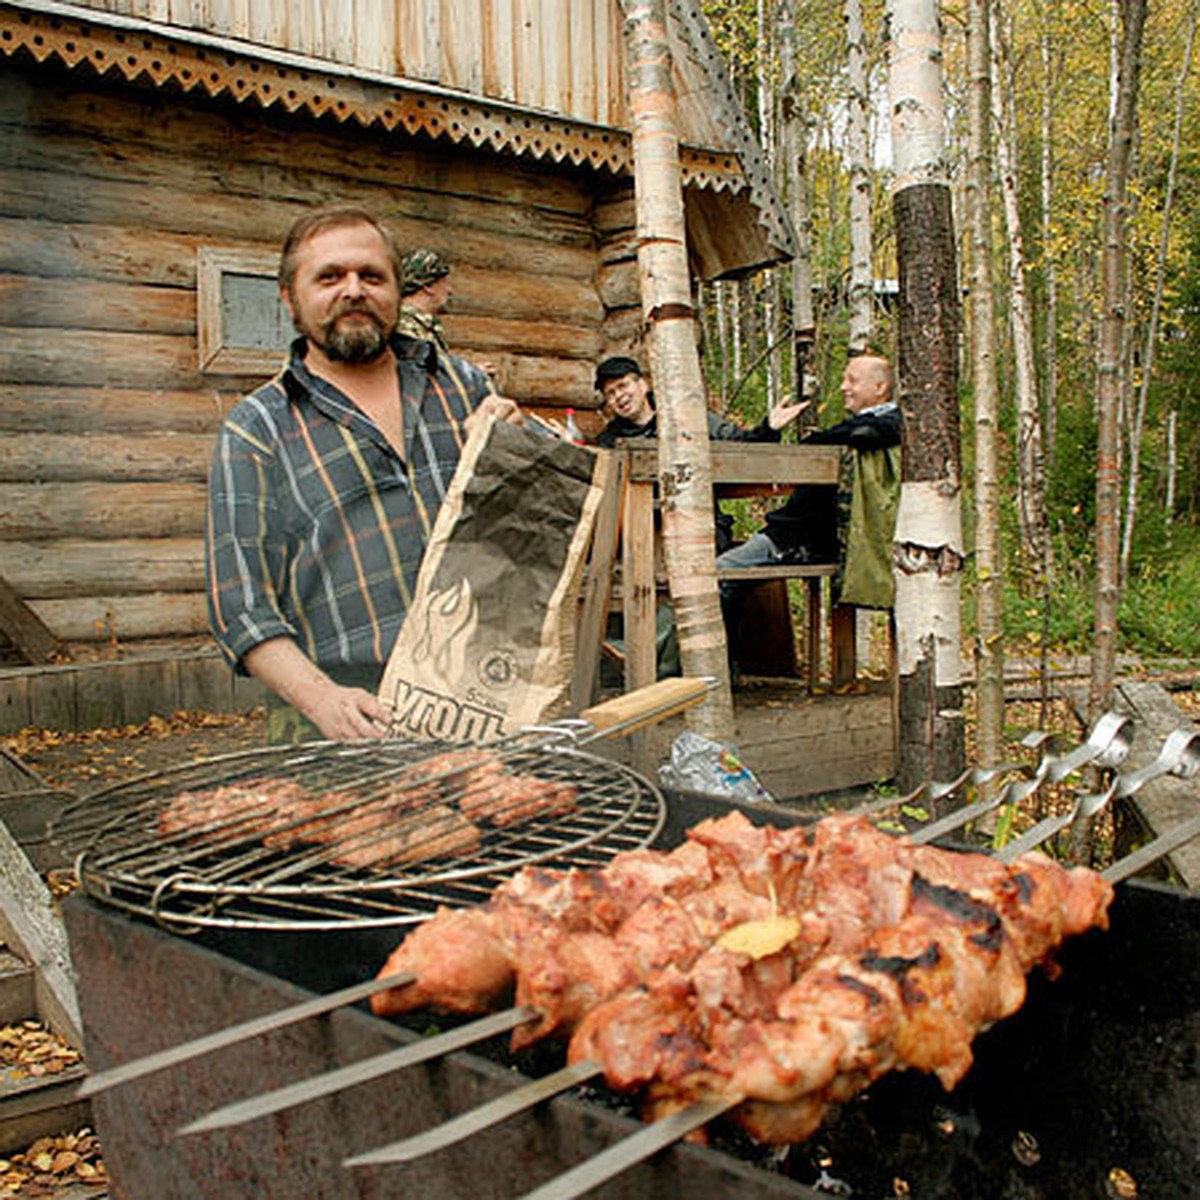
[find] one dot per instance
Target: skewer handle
(646, 705)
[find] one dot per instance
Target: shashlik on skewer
(789, 968)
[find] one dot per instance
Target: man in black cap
(627, 396)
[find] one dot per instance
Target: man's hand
(343, 714)
(501, 407)
(784, 414)
(348, 714)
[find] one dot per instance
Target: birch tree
(928, 549)
(1031, 483)
(1160, 275)
(989, 555)
(684, 463)
(1112, 331)
(862, 278)
(794, 153)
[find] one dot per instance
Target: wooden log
(519, 295)
(540, 337)
(59, 458)
(25, 628)
(116, 252)
(121, 618)
(30, 301)
(101, 510)
(550, 381)
(616, 212)
(94, 358)
(33, 408)
(75, 567)
(144, 123)
(619, 285)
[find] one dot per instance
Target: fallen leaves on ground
(50, 1164)
(29, 1049)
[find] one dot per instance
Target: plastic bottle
(571, 431)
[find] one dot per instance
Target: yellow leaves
(30, 1050)
(53, 1163)
(758, 939)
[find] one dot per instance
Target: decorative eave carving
(143, 52)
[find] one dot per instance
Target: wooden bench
(625, 533)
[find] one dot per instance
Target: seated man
(805, 529)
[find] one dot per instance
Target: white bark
(684, 461)
(862, 281)
(1139, 416)
(1031, 485)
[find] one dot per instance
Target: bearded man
(327, 480)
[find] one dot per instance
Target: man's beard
(354, 342)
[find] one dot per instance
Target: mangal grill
(1096, 1077)
(375, 834)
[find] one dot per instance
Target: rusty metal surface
(143, 989)
(1112, 1047)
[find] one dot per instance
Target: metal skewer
(631, 1150)
(457, 1129)
(242, 1032)
(267, 1103)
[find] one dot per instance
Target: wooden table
(626, 522)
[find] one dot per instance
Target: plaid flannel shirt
(315, 527)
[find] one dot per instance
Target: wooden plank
(842, 644)
(53, 700)
(206, 684)
(755, 463)
(101, 510)
(149, 688)
(638, 586)
(31, 926)
(1165, 801)
(15, 711)
(593, 609)
(25, 629)
(61, 457)
(99, 702)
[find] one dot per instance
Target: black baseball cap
(615, 368)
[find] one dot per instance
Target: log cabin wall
(107, 196)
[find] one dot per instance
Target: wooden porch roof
(190, 60)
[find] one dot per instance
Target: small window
(242, 325)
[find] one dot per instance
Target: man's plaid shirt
(315, 527)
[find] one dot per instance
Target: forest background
(806, 71)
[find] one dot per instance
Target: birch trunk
(794, 144)
(989, 556)
(1031, 479)
(1050, 353)
(684, 464)
(1112, 341)
(1139, 415)
(928, 548)
(862, 289)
